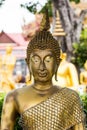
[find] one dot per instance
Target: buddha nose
(42, 66)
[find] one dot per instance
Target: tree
(71, 23)
(33, 7)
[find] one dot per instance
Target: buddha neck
(43, 87)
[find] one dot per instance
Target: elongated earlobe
(56, 73)
(56, 76)
(30, 75)
(30, 72)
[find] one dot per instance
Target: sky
(12, 16)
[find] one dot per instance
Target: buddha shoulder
(70, 94)
(16, 98)
(14, 94)
(11, 96)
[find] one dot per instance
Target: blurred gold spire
(58, 29)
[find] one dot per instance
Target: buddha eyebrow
(34, 54)
(50, 54)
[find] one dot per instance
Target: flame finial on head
(45, 24)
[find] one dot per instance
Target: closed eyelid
(48, 56)
(35, 56)
(41, 59)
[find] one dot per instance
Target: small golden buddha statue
(83, 75)
(67, 74)
(8, 60)
(42, 105)
(7, 66)
(6, 83)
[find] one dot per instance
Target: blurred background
(19, 21)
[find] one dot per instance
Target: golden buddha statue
(83, 75)
(43, 106)
(67, 74)
(8, 60)
(7, 66)
(6, 83)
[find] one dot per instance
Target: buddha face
(42, 65)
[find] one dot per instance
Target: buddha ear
(29, 68)
(27, 62)
(59, 62)
(56, 69)
(30, 71)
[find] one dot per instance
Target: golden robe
(61, 111)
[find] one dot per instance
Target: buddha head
(43, 54)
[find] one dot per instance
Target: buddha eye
(36, 59)
(48, 58)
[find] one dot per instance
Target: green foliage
(80, 53)
(76, 1)
(1, 102)
(84, 35)
(33, 7)
(84, 101)
(17, 126)
(49, 6)
(80, 50)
